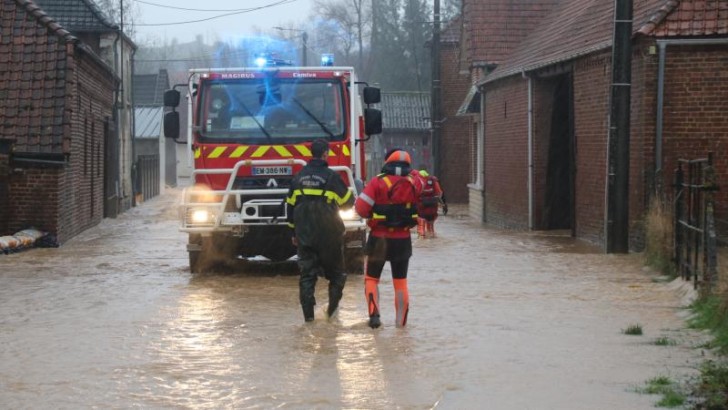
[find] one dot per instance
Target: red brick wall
(24, 86)
(696, 103)
(81, 199)
(66, 199)
(592, 78)
(696, 112)
(506, 153)
(457, 132)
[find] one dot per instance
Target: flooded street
(497, 320)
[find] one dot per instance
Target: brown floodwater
(498, 320)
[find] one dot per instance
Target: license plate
(272, 170)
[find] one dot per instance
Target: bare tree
(113, 10)
(349, 21)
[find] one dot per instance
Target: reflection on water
(498, 320)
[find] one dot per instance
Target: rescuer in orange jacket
(389, 202)
(431, 196)
(314, 199)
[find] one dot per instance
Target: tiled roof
(689, 18)
(149, 88)
(405, 111)
(493, 28)
(77, 15)
(33, 79)
(148, 122)
(574, 28)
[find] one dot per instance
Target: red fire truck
(249, 132)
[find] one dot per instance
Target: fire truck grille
(262, 183)
(271, 211)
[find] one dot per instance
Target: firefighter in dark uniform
(314, 199)
(389, 202)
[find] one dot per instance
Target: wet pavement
(498, 320)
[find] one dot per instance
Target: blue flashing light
(270, 60)
(327, 60)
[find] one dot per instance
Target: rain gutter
(530, 148)
(662, 45)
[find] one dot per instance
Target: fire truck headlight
(348, 215)
(201, 216)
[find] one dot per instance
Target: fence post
(677, 245)
(710, 260)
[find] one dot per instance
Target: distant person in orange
(431, 196)
(389, 202)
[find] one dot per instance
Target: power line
(164, 6)
(277, 3)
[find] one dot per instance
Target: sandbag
(9, 243)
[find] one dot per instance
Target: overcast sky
(286, 15)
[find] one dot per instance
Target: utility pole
(617, 223)
(304, 39)
(304, 42)
(435, 94)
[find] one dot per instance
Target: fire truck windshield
(265, 111)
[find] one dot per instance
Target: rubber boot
(307, 313)
(430, 229)
(371, 292)
(401, 301)
(420, 227)
(336, 290)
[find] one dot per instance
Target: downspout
(117, 109)
(530, 148)
(662, 45)
(132, 112)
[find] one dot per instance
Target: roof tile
(32, 67)
(405, 110)
(493, 28)
(78, 15)
(149, 88)
(694, 18)
(580, 27)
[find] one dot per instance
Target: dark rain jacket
(312, 206)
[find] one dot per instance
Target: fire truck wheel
(196, 259)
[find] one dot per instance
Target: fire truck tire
(196, 259)
(207, 252)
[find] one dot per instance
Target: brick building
(458, 131)
(472, 46)
(546, 110)
(56, 107)
(84, 20)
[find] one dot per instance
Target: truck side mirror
(171, 124)
(372, 121)
(171, 98)
(372, 95)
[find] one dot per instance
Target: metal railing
(695, 252)
(148, 176)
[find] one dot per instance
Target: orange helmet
(399, 156)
